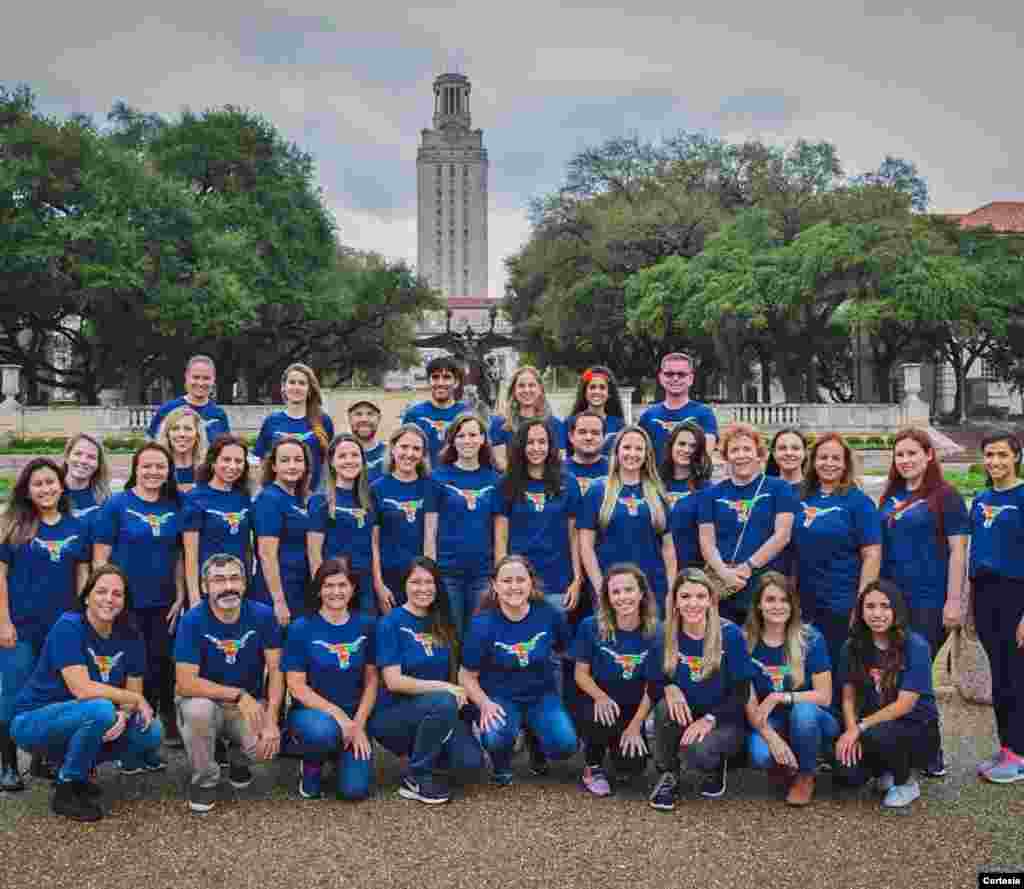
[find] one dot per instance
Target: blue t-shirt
(586, 473)
(41, 576)
(915, 676)
(467, 502)
(223, 520)
(702, 695)
(997, 533)
(404, 640)
(728, 506)
(773, 673)
(349, 533)
(145, 541)
(612, 427)
(500, 433)
(828, 534)
(618, 665)
(334, 658)
(74, 643)
(376, 461)
(659, 422)
(279, 425)
(538, 528)
(434, 421)
(185, 475)
(229, 654)
(682, 522)
(83, 504)
(912, 556)
(276, 513)
(629, 537)
(401, 507)
(214, 418)
(513, 658)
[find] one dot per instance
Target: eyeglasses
(224, 581)
(673, 374)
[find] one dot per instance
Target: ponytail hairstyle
(100, 481)
(268, 474)
(169, 489)
(1012, 441)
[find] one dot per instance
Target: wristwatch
(711, 718)
(789, 698)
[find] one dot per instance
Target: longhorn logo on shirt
(85, 510)
(628, 662)
(522, 649)
(301, 436)
(232, 519)
(696, 664)
(777, 674)
(537, 500)
(342, 650)
(208, 423)
(470, 495)
(876, 677)
(301, 511)
(632, 504)
(900, 507)
(668, 425)
(358, 513)
(230, 647)
(55, 547)
(440, 427)
(742, 508)
(105, 663)
(584, 483)
(674, 497)
(812, 512)
(155, 522)
(409, 507)
(426, 640)
(991, 513)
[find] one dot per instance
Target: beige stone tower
(451, 186)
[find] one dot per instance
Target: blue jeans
(429, 730)
(73, 731)
(464, 587)
(546, 717)
(16, 666)
(316, 736)
(807, 727)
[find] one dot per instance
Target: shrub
(854, 441)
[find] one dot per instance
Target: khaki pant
(201, 721)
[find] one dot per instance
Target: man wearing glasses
(659, 420)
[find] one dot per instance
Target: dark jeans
(16, 666)
(429, 730)
(159, 679)
(834, 627)
(600, 740)
(808, 728)
(895, 746)
(464, 587)
(316, 736)
(927, 622)
(545, 717)
(724, 741)
(998, 608)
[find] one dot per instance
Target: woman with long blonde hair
(183, 433)
(524, 400)
(624, 518)
(303, 418)
(700, 684)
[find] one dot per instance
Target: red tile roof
(470, 302)
(1003, 216)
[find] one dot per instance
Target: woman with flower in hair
(183, 433)
(598, 391)
(611, 650)
(525, 399)
(625, 517)
(303, 418)
(699, 681)
(889, 713)
(685, 472)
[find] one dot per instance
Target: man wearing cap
(363, 421)
(223, 648)
(436, 415)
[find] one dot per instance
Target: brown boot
(801, 792)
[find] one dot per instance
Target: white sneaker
(902, 795)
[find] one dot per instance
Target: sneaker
(664, 795)
(1008, 770)
(713, 785)
(885, 782)
(901, 795)
(201, 799)
(10, 780)
(989, 763)
(937, 767)
(70, 801)
(801, 791)
(425, 790)
(596, 781)
(309, 780)
(220, 753)
(90, 789)
(502, 777)
(239, 775)
(138, 768)
(538, 761)
(41, 767)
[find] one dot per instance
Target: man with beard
(437, 414)
(224, 647)
(363, 421)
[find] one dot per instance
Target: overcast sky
(936, 82)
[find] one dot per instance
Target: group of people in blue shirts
(479, 583)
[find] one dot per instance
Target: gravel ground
(542, 832)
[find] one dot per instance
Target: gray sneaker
(902, 795)
(201, 799)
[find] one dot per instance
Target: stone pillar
(626, 393)
(10, 409)
(915, 411)
(111, 397)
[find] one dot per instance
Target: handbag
(972, 674)
(723, 590)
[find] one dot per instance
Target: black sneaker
(10, 780)
(425, 790)
(220, 753)
(42, 768)
(937, 767)
(663, 797)
(71, 802)
(201, 799)
(538, 761)
(172, 737)
(240, 775)
(713, 785)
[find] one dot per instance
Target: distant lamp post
(11, 385)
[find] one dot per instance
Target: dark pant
(834, 627)
(725, 740)
(927, 622)
(159, 680)
(808, 728)
(998, 608)
(545, 717)
(732, 610)
(599, 739)
(317, 736)
(464, 587)
(392, 578)
(893, 746)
